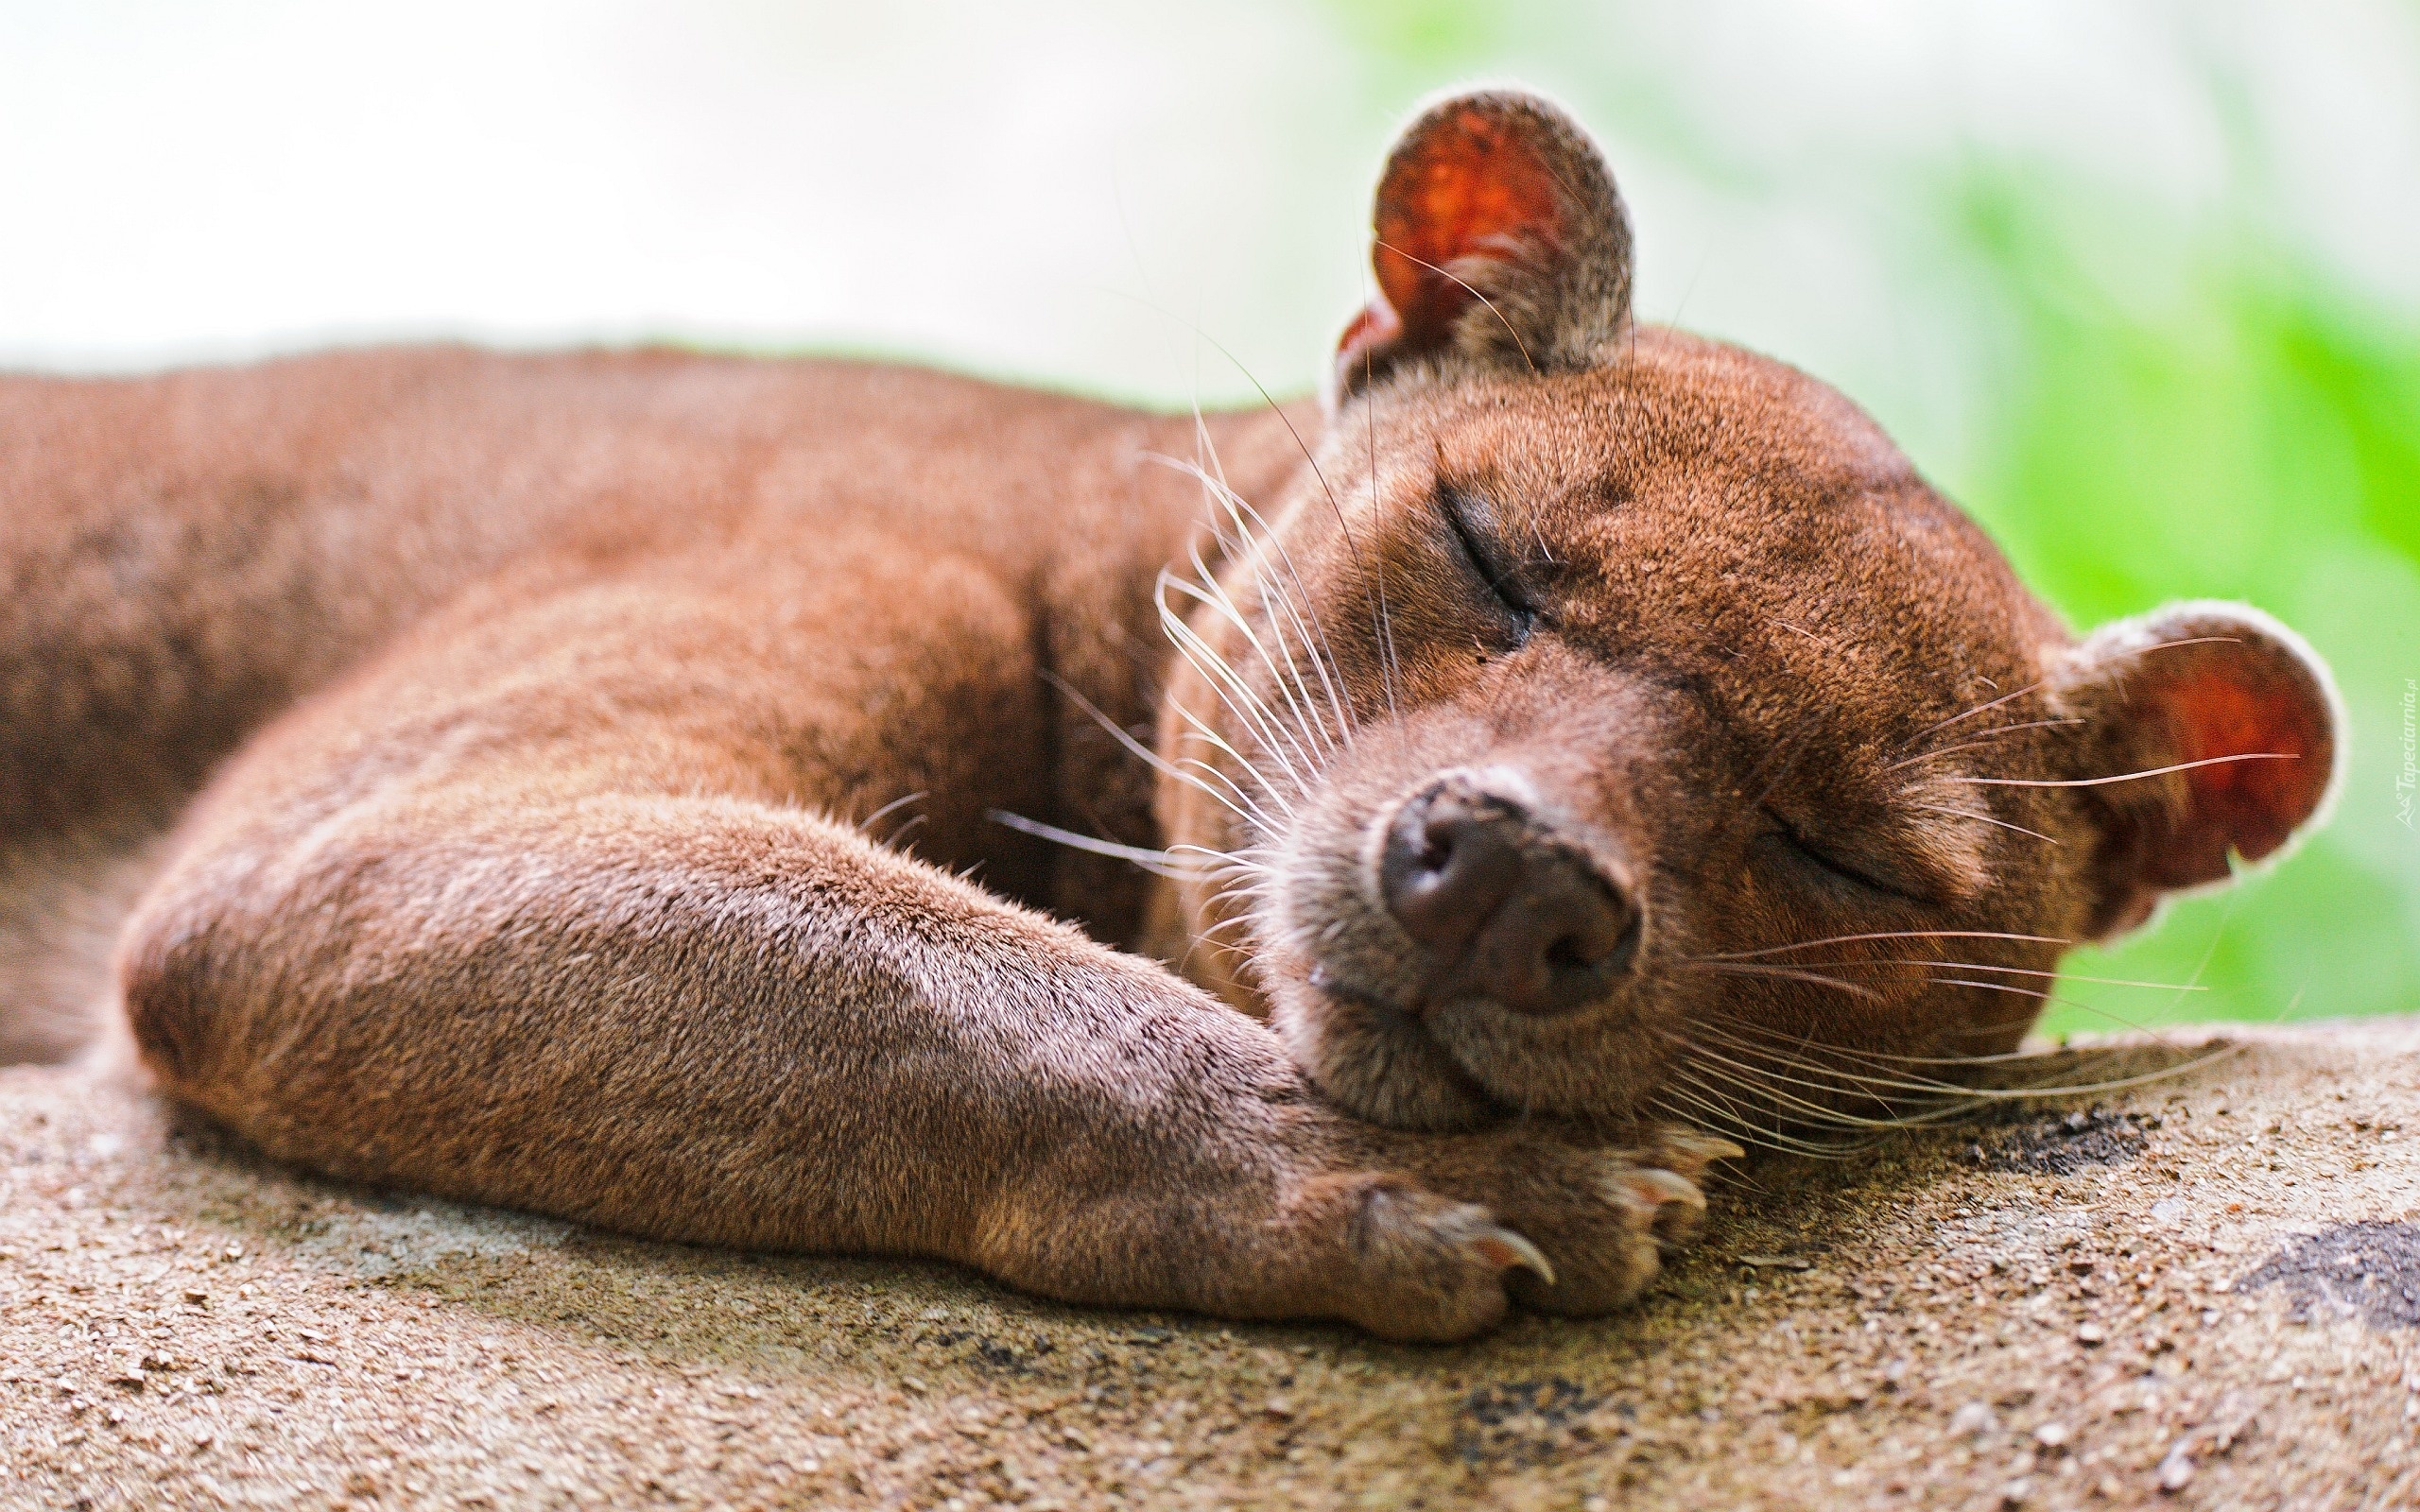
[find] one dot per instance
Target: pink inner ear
(2254, 805)
(1373, 330)
(1469, 185)
(2240, 693)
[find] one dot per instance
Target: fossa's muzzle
(1502, 907)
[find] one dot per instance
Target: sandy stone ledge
(2201, 1292)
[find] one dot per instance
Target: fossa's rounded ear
(2237, 716)
(1500, 240)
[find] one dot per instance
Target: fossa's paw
(1438, 1250)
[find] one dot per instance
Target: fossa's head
(1610, 723)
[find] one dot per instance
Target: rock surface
(2201, 1290)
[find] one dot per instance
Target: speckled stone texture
(2203, 1290)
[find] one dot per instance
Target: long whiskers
(1178, 861)
(2013, 970)
(1294, 601)
(1706, 1103)
(1213, 595)
(1986, 818)
(2037, 685)
(1738, 968)
(1819, 1084)
(1786, 1070)
(1887, 934)
(1233, 797)
(1981, 740)
(2125, 777)
(1310, 458)
(1232, 690)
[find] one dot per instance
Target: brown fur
(607, 757)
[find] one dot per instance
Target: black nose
(1505, 909)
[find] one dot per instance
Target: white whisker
(1195, 728)
(1229, 687)
(1149, 859)
(1985, 818)
(1981, 740)
(2014, 970)
(1293, 603)
(1160, 763)
(1213, 595)
(1977, 1095)
(2125, 777)
(890, 808)
(1979, 709)
(1888, 933)
(1793, 974)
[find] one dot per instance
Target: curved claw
(1660, 1186)
(1689, 1151)
(1645, 1192)
(1638, 1200)
(1506, 1250)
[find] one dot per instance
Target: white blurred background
(1063, 190)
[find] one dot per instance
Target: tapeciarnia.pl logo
(2408, 778)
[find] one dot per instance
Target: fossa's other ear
(2237, 716)
(1500, 241)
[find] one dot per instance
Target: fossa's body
(621, 786)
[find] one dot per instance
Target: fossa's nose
(1503, 908)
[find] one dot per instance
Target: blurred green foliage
(2252, 432)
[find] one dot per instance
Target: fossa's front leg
(535, 914)
(718, 1020)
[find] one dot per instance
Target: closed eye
(1472, 524)
(1820, 857)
